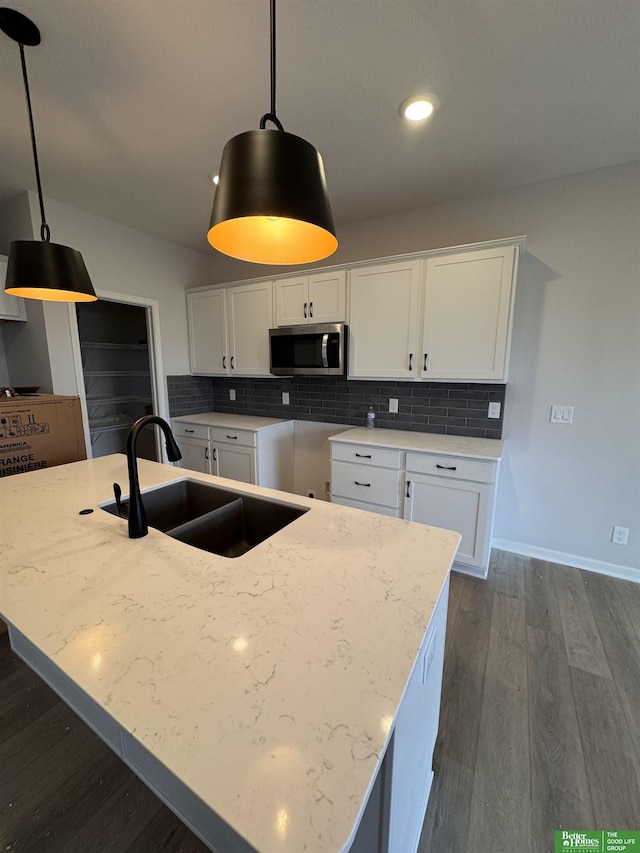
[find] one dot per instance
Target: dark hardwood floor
(540, 730)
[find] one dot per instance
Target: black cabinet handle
(446, 467)
(206, 453)
(215, 455)
(408, 484)
(410, 361)
(363, 455)
(189, 430)
(224, 362)
(233, 367)
(311, 310)
(234, 437)
(426, 356)
(305, 310)
(362, 484)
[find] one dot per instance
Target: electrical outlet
(285, 398)
(620, 535)
(232, 394)
(393, 405)
(311, 493)
(494, 410)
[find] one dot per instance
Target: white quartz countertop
(267, 683)
(229, 421)
(452, 445)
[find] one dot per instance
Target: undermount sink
(221, 521)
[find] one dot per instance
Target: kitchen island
(286, 700)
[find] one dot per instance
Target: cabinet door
(455, 505)
(468, 300)
(250, 309)
(327, 298)
(207, 333)
(236, 463)
(383, 321)
(11, 307)
(195, 454)
(292, 301)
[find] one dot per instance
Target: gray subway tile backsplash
(451, 408)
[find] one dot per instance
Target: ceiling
(134, 99)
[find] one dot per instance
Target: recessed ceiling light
(418, 108)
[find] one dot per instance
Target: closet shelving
(118, 388)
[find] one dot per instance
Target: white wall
(576, 341)
(120, 260)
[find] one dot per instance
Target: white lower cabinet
(450, 491)
(262, 455)
(366, 478)
(233, 454)
(193, 441)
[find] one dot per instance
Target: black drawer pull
(410, 361)
(234, 437)
(363, 455)
(215, 455)
(426, 356)
(189, 430)
(206, 453)
(362, 484)
(446, 467)
(408, 484)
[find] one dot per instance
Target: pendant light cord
(45, 233)
(271, 116)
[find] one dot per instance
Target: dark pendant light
(271, 204)
(41, 270)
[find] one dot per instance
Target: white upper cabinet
(229, 330)
(466, 319)
(207, 318)
(315, 298)
(11, 307)
(444, 315)
(250, 314)
(383, 321)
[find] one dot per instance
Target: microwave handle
(325, 341)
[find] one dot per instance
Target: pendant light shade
(41, 270)
(271, 204)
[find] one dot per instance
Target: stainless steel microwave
(315, 350)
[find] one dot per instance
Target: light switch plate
(561, 414)
(494, 410)
(285, 398)
(232, 394)
(393, 405)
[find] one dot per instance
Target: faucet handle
(122, 507)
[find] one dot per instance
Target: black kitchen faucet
(137, 516)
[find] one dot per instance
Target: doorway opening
(117, 366)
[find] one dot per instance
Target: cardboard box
(39, 432)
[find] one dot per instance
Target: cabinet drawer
(187, 430)
(365, 455)
(241, 437)
(361, 483)
(391, 511)
(457, 467)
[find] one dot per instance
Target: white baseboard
(626, 573)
